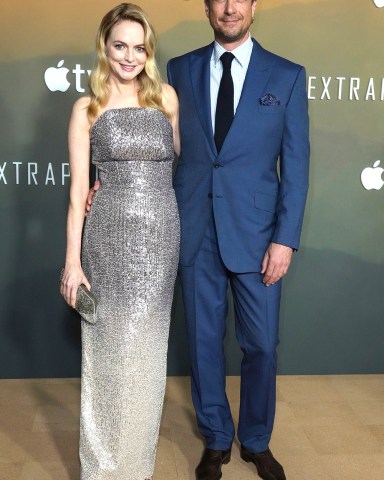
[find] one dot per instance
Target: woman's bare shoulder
(79, 114)
(170, 99)
(81, 104)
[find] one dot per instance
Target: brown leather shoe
(209, 467)
(267, 466)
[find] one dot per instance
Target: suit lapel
(255, 82)
(200, 76)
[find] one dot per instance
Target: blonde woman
(128, 253)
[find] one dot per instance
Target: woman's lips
(127, 68)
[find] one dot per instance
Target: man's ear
(253, 8)
(206, 6)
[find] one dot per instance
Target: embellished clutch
(86, 304)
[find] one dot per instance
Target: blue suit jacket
(256, 198)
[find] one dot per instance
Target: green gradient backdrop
(332, 308)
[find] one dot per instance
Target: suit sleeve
(294, 166)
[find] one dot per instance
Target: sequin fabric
(130, 255)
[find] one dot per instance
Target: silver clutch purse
(86, 304)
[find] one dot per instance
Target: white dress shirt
(239, 69)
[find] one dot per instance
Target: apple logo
(379, 3)
(371, 177)
(56, 78)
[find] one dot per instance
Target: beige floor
(327, 428)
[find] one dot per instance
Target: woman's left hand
(72, 278)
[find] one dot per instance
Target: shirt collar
(241, 53)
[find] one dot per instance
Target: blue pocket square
(268, 100)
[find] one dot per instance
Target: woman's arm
(79, 152)
(171, 104)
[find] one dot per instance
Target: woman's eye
(140, 49)
(119, 46)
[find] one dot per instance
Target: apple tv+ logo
(56, 78)
(371, 177)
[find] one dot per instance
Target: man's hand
(275, 263)
(91, 193)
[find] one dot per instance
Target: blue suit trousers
(256, 307)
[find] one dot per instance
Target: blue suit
(232, 206)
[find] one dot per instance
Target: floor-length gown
(130, 256)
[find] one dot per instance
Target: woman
(129, 126)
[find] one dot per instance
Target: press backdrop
(332, 309)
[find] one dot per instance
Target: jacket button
(216, 165)
(210, 195)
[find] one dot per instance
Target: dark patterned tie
(224, 109)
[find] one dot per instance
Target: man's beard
(228, 36)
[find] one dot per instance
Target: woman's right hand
(71, 279)
(91, 193)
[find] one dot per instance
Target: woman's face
(126, 50)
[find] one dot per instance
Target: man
(241, 185)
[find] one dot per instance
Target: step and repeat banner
(332, 316)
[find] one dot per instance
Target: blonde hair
(150, 91)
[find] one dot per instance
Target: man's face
(230, 19)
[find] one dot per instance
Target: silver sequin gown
(130, 256)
